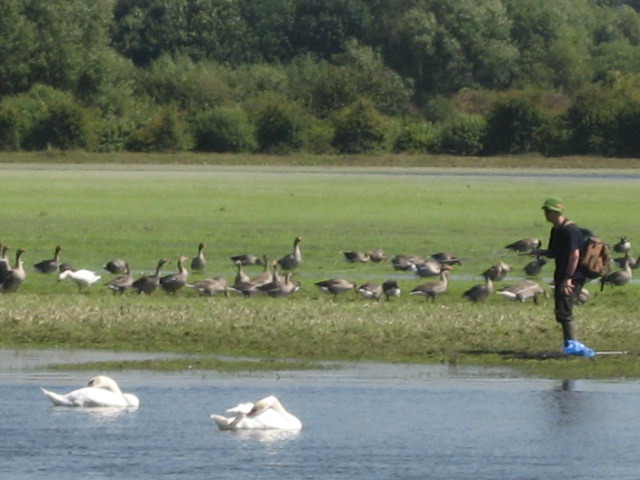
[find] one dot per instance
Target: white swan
(83, 278)
(101, 391)
(265, 414)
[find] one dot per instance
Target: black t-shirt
(563, 240)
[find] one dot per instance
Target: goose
(148, 283)
(377, 255)
(533, 268)
(284, 287)
(121, 282)
(265, 276)
(429, 268)
(497, 272)
(370, 290)
(294, 259)
(634, 262)
(583, 296)
(406, 263)
(623, 245)
(247, 259)
(116, 265)
(5, 265)
(274, 280)
(356, 257)
(15, 276)
(101, 391)
(265, 414)
(50, 266)
(391, 289)
(198, 263)
(82, 278)
(524, 245)
(445, 257)
(479, 293)
(523, 290)
(335, 286)
(175, 281)
(241, 277)
(619, 277)
(210, 286)
(431, 290)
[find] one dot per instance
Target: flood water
(361, 421)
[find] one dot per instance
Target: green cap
(554, 204)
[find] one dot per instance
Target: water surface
(363, 421)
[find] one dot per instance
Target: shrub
(414, 136)
(223, 130)
(359, 128)
(166, 132)
(512, 127)
(461, 135)
(278, 123)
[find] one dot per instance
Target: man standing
(564, 246)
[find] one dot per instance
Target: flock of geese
(104, 392)
(276, 279)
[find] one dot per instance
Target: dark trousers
(564, 308)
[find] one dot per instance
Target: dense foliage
(346, 76)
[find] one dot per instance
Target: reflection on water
(364, 421)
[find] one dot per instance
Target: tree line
(466, 77)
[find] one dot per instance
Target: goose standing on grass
(335, 286)
(294, 259)
(406, 263)
(15, 276)
(497, 272)
(175, 281)
(210, 286)
(524, 245)
(523, 290)
(370, 290)
(101, 391)
(83, 278)
(431, 290)
(479, 293)
(5, 265)
(429, 268)
(534, 268)
(623, 245)
(52, 265)
(121, 282)
(199, 262)
(445, 257)
(356, 257)
(247, 259)
(266, 414)
(265, 276)
(148, 283)
(116, 265)
(284, 287)
(620, 277)
(377, 255)
(391, 289)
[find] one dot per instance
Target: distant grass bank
(144, 212)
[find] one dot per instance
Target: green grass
(142, 212)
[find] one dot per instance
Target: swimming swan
(101, 391)
(265, 414)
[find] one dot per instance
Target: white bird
(83, 278)
(101, 391)
(266, 414)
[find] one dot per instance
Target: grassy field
(143, 211)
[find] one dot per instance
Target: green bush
(461, 135)
(415, 137)
(66, 126)
(359, 128)
(166, 132)
(316, 136)
(512, 127)
(223, 130)
(278, 123)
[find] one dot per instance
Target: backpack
(595, 255)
